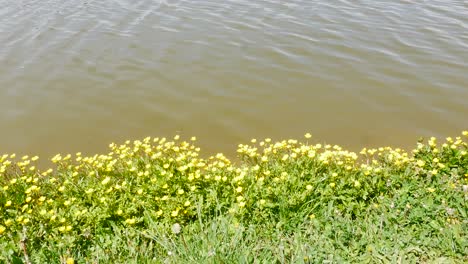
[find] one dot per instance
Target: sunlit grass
(157, 200)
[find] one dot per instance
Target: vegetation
(158, 201)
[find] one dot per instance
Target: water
(77, 75)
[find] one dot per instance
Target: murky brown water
(76, 75)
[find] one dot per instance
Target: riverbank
(157, 201)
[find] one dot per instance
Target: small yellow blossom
(130, 221)
(420, 163)
(105, 181)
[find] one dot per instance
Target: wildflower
(70, 261)
(357, 184)
(309, 187)
(175, 213)
(241, 204)
(332, 184)
(2, 229)
(262, 202)
(307, 135)
(420, 163)
(105, 181)
(8, 203)
(130, 221)
(187, 203)
(312, 216)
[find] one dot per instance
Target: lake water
(76, 75)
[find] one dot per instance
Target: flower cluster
(156, 179)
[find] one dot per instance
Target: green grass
(157, 201)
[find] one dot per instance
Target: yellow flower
(239, 189)
(241, 204)
(130, 221)
(332, 184)
(8, 203)
(357, 184)
(70, 261)
(309, 187)
(420, 163)
(262, 201)
(180, 191)
(175, 213)
(307, 135)
(431, 190)
(119, 212)
(105, 181)
(187, 203)
(312, 216)
(2, 229)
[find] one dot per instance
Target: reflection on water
(75, 75)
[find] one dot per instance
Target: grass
(157, 201)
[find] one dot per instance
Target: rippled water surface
(76, 75)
